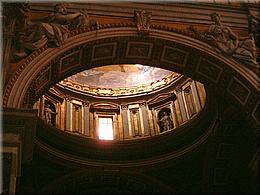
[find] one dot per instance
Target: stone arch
(166, 49)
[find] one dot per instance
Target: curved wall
(199, 61)
(78, 150)
(132, 117)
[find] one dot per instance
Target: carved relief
(142, 19)
(52, 30)
(230, 44)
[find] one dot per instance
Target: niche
(165, 121)
(49, 112)
(135, 122)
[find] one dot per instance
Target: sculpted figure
(52, 30)
(228, 43)
(48, 114)
(165, 122)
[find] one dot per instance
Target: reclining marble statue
(229, 43)
(52, 30)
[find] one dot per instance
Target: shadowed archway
(87, 49)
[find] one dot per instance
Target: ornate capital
(124, 107)
(86, 104)
(67, 98)
(178, 90)
(143, 104)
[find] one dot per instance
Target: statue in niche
(135, 122)
(143, 21)
(49, 114)
(228, 43)
(52, 30)
(165, 122)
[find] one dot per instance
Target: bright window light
(105, 130)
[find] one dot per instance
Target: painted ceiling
(120, 76)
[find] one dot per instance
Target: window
(105, 130)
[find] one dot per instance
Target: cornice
(124, 91)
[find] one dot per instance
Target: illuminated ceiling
(117, 80)
(120, 76)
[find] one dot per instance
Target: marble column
(115, 127)
(58, 115)
(96, 125)
(201, 93)
(182, 105)
(80, 119)
(120, 126)
(68, 114)
(178, 112)
(91, 125)
(145, 119)
(195, 96)
(174, 115)
(125, 122)
(129, 123)
(86, 130)
(63, 115)
(156, 130)
(71, 116)
(151, 125)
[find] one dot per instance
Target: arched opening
(196, 60)
(212, 150)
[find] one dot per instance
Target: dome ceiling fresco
(120, 76)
